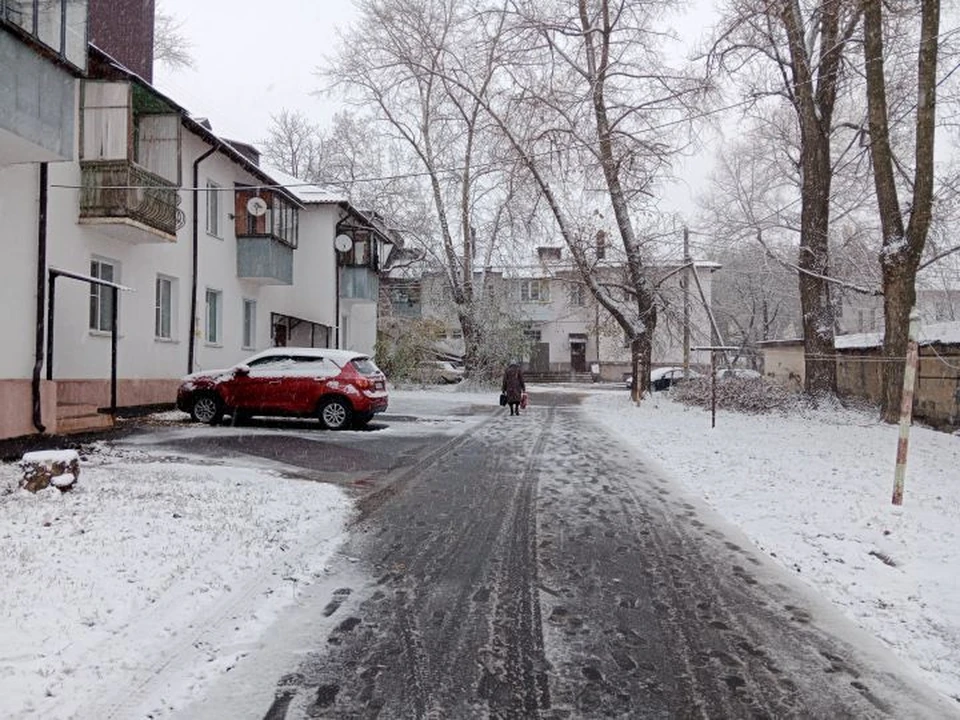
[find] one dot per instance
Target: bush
(748, 395)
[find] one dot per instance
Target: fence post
(906, 406)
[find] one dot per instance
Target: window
(214, 316)
(578, 296)
(534, 291)
(61, 25)
(213, 208)
(102, 297)
(163, 316)
(249, 323)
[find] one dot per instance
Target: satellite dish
(257, 206)
(342, 243)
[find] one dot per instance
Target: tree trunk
(815, 303)
(641, 353)
(899, 297)
(471, 343)
(902, 248)
(814, 86)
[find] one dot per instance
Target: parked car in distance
(341, 388)
(439, 371)
(665, 377)
(744, 373)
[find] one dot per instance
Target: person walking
(513, 386)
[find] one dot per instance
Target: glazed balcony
(128, 202)
(264, 260)
(266, 226)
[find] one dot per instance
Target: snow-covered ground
(814, 491)
(145, 565)
(172, 566)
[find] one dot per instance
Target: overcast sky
(253, 60)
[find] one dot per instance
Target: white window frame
(249, 340)
(98, 320)
(578, 295)
(213, 316)
(213, 209)
(169, 306)
(534, 291)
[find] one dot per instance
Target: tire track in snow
(456, 598)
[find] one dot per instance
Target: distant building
(569, 332)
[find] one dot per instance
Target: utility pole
(685, 284)
(906, 406)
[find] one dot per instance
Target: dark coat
(513, 384)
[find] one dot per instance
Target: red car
(340, 387)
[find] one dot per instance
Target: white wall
(313, 295)
(84, 354)
(18, 270)
(360, 331)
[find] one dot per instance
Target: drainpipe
(336, 319)
(41, 294)
(192, 343)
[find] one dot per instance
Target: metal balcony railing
(122, 189)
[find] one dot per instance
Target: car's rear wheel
(207, 408)
(336, 414)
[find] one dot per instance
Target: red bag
(523, 400)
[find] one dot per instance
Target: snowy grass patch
(109, 581)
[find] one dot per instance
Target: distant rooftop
(306, 192)
(944, 333)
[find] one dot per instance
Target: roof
(563, 270)
(548, 266)
(306, 192)
(313, 194)
(944, 333)
(786, 342)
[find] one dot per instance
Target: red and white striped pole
(906, 406)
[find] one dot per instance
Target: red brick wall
(124, 30)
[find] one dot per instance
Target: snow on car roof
(341, 357)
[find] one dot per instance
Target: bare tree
(580, 102)
(903, 245)
(295, 145)
(755, 297)
(170, 46)
(805, 52)
(392, 61)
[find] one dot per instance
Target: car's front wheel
(336, 414)
(207, 408)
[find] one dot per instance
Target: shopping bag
(523, 400)
(503, 399)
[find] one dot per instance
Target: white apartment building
(138, 246)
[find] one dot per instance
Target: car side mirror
(242, 369)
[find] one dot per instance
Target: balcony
(265, 260)
(128, 202)
(266, 225)
(37, 99)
